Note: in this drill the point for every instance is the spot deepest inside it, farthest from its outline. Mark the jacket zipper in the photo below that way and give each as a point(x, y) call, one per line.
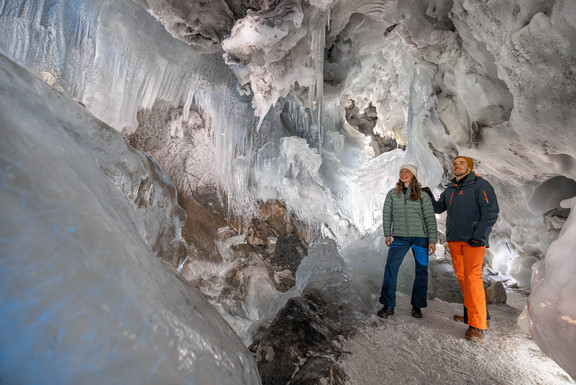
point(406, 215)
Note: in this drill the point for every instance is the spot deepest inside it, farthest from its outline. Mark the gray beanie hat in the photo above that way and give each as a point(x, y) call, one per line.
point(413, 169)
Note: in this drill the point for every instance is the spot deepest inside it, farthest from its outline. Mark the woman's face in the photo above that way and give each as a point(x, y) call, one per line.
point(406, 175)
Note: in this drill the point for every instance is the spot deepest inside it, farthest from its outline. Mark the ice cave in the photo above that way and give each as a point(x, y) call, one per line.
point(191, 191)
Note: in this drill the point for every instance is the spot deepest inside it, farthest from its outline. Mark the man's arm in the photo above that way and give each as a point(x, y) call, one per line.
point(489, 209)
point(439, 205)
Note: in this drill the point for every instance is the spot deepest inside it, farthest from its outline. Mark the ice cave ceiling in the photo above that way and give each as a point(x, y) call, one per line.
point(301, 111)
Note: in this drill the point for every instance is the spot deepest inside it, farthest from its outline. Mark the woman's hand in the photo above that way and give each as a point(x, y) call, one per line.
point(431, 248)
point(388, 241)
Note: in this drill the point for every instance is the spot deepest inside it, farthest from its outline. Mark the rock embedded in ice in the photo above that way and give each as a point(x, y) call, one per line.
point(301, 341)
point(495, 293)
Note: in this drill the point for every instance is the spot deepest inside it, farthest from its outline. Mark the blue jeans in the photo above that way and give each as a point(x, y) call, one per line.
point(396, 254)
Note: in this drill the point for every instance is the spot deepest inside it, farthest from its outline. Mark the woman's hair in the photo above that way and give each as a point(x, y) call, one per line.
point(415, 189)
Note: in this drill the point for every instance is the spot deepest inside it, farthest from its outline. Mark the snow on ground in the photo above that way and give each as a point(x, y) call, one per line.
point(432, 350)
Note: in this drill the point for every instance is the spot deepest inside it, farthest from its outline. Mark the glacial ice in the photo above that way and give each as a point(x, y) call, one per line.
point(550, 316)
point(86, 221)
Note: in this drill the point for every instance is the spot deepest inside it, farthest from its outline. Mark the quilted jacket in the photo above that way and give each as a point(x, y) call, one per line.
point(405, 218)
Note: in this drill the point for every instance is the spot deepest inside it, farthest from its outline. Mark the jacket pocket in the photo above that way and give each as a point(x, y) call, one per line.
point(474, 226)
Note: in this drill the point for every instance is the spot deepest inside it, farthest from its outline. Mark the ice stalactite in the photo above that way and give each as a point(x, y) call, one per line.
point(421, 114)
point(319, 21)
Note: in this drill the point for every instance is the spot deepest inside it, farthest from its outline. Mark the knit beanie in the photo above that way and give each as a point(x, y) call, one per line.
point(413, 169)
point(468, 160)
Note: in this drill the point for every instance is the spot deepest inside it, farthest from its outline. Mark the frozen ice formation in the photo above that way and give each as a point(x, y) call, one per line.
point(550, 315)
point(85, 298)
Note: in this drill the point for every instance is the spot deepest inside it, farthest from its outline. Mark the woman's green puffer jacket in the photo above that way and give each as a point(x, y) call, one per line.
point(405, 218)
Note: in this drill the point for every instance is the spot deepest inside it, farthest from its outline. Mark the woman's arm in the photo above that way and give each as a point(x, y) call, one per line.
point(387, 216)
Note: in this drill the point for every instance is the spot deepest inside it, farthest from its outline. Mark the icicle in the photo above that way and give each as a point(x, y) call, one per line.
point(420, 107)
point(319, 17)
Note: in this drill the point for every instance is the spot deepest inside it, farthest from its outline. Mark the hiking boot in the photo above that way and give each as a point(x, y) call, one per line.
point(416, 312)
point(385, 312)
point(460, 318)
point(474, 334)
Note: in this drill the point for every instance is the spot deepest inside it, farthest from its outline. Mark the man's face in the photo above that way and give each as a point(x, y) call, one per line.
point(460, 167)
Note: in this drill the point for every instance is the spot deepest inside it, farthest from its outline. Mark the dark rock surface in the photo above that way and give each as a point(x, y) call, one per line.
point(301, 345)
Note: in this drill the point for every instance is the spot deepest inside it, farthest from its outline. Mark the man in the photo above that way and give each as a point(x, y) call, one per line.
point(472, 210)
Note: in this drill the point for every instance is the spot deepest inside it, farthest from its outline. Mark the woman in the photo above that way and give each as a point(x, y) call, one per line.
point(408, 216)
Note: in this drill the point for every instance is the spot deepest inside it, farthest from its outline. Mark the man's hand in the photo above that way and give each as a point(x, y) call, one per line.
point(476, 242)
point(428, 191)
point(431, 248)
point(388, 241)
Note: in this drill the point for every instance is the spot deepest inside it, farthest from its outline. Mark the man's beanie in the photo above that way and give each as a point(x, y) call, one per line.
point(413, 169)
point(468, 160)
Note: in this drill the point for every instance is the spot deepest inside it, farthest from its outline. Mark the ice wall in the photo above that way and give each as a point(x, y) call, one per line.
point(273, 54)
point(550, 316)
point(84, 298)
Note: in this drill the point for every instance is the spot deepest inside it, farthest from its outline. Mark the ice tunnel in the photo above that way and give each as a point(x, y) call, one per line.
point(177, 173)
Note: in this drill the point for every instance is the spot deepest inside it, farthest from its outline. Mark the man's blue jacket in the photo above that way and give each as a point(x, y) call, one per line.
point(472, 209)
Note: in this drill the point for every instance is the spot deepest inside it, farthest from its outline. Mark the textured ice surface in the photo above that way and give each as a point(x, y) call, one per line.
point(322, 258)
point(84, 298)
point(550, 315)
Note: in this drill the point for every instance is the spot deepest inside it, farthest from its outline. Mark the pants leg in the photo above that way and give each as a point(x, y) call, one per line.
point(420, 286)
point(396, 253)
point(467, 262)
point(466, 314)
point(476, 308)
point(457, 261)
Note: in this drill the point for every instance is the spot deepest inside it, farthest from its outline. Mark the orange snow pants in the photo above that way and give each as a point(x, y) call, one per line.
point(467, 262)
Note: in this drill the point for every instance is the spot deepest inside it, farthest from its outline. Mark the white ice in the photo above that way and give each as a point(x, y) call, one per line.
point(552, 299)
